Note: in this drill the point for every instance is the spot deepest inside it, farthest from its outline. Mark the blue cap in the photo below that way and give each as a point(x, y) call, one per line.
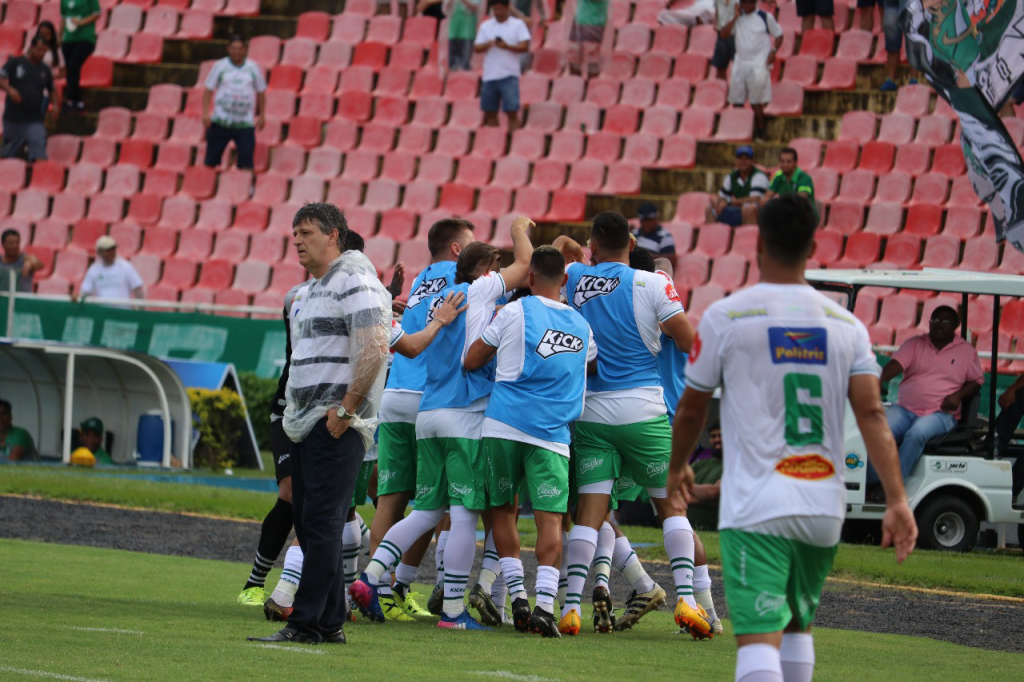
point(647, 211)
point(745, 149)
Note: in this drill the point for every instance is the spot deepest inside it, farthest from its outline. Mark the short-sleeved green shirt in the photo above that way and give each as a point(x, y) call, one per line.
point(800, 182)
point(79, 9)
point(592, 12)
point(462, 22)
point(102, 456)
point(705, 516)
point(15, 437)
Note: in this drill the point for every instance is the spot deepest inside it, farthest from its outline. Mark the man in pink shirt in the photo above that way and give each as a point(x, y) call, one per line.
point(940, 370)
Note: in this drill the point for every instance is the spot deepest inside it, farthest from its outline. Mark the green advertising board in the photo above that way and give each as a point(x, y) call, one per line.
point(256, 346)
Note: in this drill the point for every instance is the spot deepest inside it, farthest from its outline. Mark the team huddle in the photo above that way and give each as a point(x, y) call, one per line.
point(557, 378)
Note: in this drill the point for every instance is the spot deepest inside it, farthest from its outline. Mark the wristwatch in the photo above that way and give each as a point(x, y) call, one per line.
point(345, 414)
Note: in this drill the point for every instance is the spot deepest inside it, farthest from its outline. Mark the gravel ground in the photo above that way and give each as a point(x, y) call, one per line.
point(994, 625)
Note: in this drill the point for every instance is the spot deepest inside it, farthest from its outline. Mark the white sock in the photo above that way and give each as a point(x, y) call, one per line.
point(582, 545)
point(399, 539)
point(679, 546)
point(499, 592)
point(442, 541)
point(797, 654)
point(625, 560)
point(284, 593)
point(405, 576)
point(364, 537)
point(546, 587)
point(758, 663)
point(702, 591)
point(384, 586)
point(350, 548)
point(490, 568)
point(460, 552)
point(603, 555)
point(563, 570)
point(515, 577)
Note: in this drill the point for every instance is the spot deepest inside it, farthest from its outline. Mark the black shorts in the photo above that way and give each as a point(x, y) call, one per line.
point(725, 50)
point(281, 449)
point(814, 8)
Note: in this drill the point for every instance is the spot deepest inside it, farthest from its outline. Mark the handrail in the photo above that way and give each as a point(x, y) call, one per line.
point(136, 303)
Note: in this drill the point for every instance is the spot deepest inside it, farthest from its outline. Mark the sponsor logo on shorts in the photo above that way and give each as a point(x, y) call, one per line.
point(427, 287)
point(384, 476)
point(806, 467)
point(807, 346)
point(504, 484)
point(767, 602)
point(424, 490)
point(460, 490)
point(553, 342)
point(655, 468)
point(624, 484)
point(592, 286)
point(546, 490)
point(282, 458)
point(590, 463)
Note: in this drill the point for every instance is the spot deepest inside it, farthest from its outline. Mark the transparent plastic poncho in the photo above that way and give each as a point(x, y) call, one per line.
point(339, 346)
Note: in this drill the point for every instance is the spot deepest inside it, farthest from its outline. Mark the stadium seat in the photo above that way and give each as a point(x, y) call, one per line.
point(802, 69)
point(251, 277)
point(319, 78)
point(669, 39)
point(63, 149)
point(640, 92)
point(962, 222)
point(962, 193)
point(620, 66)
point(903, 251)
point(137, 153)
point(858, 126)
point(453, 141)
point(583, 116)
point(543, 116)
point(586, 175)
point(377, 138)
point(84, 179)
point(252, 217)
point(98, 151)
point(698, 122)
point(913, 158)
point(949, 160)
point(215, 275)
point(897, 128)
point(114, 123)
point(47, 176)
point(808, 151)
point(12, 174)
point(641, 149)
point(531, 201)
point(188, 130)
point(112, 45)
point(941, 251)
point(381, 195)
point(884, 218)
point(196, 244)
point(934, 130)
point(436, 168)
point(709, 94)
point(787, 100)
point(622, 119)
point(829, 246)
point(33, 205)
point(654, 67)
point(456, 198)
point(178, 213)
point(931, 189)
point(160, 241)
point(841, 155)
point(693, 269)
point(826, 183)
point(729, 271)
point(857, 186)
point(549, 173)
point(526, 144)
point(340, 135)
point(314, 25)
point(354, 105)
point(398, 166)
point(566, 206)
point(144, 209)
point(568, 89)
point(286, 77)
point(397, 224)
point(605, 147)
point(97, 72)
point(511, 172)
point(602, 91)
point(467, 115)
point(122, 180)
point(495, 200)
point(703, 297)
point(307, 189)
point(863, 248)
point(214, 214)
point(838, 74)
point(877, 157)
point(674, 93)
point(196, 24)
point(714, 239)
point(150, 127)
point(702, 41)
point(566, 146)
point(547, 61)
point(735, 125)
point(489, 143)
point(895, 188)
point(105, 208)
point(266, 247)
point(147, 48)
point(305, 131)
point(855, 44)
point(914, 100)
point(899, 311)
point(845, 217)
point(659, 121)
point(420, 196)
point(980, 254)
point(473, 171)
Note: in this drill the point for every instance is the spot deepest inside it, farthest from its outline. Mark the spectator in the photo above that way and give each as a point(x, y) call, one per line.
point(714, 443)
point(109, 276)
point(725, 45)
point(79, 40)
point(24, 265)
point(15, 442)
point(893, 42)
point(1011, 403)
point(503, 38)
point(461, 33)
point(753, 31)
point(432, 8)
point(90, 434)
point(236, 86)
point(707, 478)
point(808, 9)
point(652, 235)
point(739, 199)
point(940, 370)
point(523, 9)
point(789, 179)
point(587, 34)
point(25, 79)
point(692, 14)
point(52, 58)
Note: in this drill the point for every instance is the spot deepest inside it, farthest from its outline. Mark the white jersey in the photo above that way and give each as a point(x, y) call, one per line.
point(784, 355)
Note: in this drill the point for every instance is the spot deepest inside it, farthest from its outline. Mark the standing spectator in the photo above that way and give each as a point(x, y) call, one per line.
point(586, 34)
point(110, 276)
point(808, 9)
point(27, 82)
point(523, 9)
point(725, 45)
point(790, 179)
point(461, 33)
point(13, 259)
point(893, 42)
point(52, 57)
point(739, 199)
point(503, 38)
point(236, 86)
point(758, 37)
point(15, 442)
point(652, 235)
point(80, 17)
point(1011, 403)
point(707, 479)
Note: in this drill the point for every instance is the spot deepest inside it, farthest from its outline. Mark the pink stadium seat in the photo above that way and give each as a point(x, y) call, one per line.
point(415, 139)
point(33, 205)
point(489, 143)
point(462, 85)
point(934, 130)
point(48, 232)
point(105, 208)
point(214, 214)
point(420, 196)
point(735, 125)
point(674, 93)
point(320, 78)
point(196, 24)
point(583, 116)
point(147, 48)
point(431, 112)
point(151, 127)
point(98, 151)
point(941, 251)
point(252, 217)
point(198, 182)
point(242, 8)
point(567, 89)
point(381, 195)
point(808, 151)
point(949, 160)
point(161, 182)
point(669, 39)
point(693, 270)
point(729, 271)
point(885, 218)
point(858, 126)
point(962, 193)
point(567, 146)
point(265, 50)
point(543, 116)
point(380, 251)
point(420, 30)
point(12, 174)
point(307, 189)
point(144, 209)
point(930, 188)
point(787, 100)
point(114, 123)
point(112, 45)
point(550, 173)
point(654, 67)
point(846, 217)
point(266, 247)
point(703, 297)
point(467, 115)
point(914, 100)
point(702, 41)
point(533, 87)
point(877, 157)
point(855, 44)
point(348, 28)
point(660, 121)
point(641, 149)
point(897, 128)
point(251, 277)
point(714, 239)
point(621, 66)
point(980, 254)
point(496, 199)
point(698, 122)
point(399, 166)
point(393, 81)
point(913, 158)
point(826, 183)
point(160, 241)
point(341, 135)
point(838, 74)
point(188, 130)
point(164, 99)
point(604, 147)
point(63, 149)
point(547, 61)
point(324, 162)
point(84, 179)
point(526, 144)
point(621, 119)
point(474, 171)
point(397, 224)
point(894, 188)
point(453, 141)
point(385, 29)
point(314, 25)
point(802, 69)
point(710, 94)
point(196, 245)
point(531, 201)
point(899, 311)
point(692, 208)
point(436, 167)
point(640, 92)
point(962, 222)
point(47, 176)
point(586, 176)
point(122, 181)
point(829, 246)
point(903, 251)
point(841, 155)
point(178, 213)
point(234, 186)
point(857, 186)
point(378, 138)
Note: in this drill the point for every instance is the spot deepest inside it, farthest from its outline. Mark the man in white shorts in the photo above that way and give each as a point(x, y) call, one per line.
point(758, 37)
point(787, 358)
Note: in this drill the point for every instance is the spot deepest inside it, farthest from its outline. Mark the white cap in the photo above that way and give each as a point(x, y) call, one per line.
point(105, 242)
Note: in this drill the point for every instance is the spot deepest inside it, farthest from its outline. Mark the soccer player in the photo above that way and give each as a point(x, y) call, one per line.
point(624, 423)
point(787, 358)
point(543, 348)
point(449, 467)
point(396, 464)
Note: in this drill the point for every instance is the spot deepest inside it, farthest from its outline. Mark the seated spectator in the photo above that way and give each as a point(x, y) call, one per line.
point(707, 477)
point(940, 370)
point(725, 45)
point(688, 13)
point(90, 433)
point(15, 442)
point(502, 38)
point(790, 179)
point(237, 89)
point(13, 259)
point(28, 84)
point(461, 33)
point(1011, 403)
point(110, 276)
point(652, 235)
point(758, 37)
point(739, 199)
point(587, 34)
point(808, 9)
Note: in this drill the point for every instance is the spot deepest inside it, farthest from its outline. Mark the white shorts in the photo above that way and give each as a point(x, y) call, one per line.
point(399, 406)
point(449, 424)
point(750, 83)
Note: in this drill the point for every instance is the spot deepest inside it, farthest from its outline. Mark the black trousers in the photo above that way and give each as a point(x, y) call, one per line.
point(217, 138)
point(1006, 424)
point(75, 54)
point(324, 471)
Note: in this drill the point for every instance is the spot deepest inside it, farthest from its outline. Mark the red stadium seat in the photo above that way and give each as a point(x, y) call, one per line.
point(655, 67)
point(458, 199)
point(160, 241)
point(703, 297)
point(216, 275)
point(341, 135)
point(47, 176)
point(550, 174)
point(863, 248)
point(846, 217)
point(567, 146)
point(621, 119)
point(980, 254)
point(714, 239)
point(397, 224)
point(144, 209)
point(857, 186)
point(252, 217)
point(841, 155)
point(903, 250)
point(914, 100)
point(547, 61)
point(949, 160)
point(286, 77)
point(489, 143)
point(198, 182)
point(462, 85)
point(567, 205)
point(586, 175)
point(605, 147)
point(897, 128)
point(924, 220)
point(877, 157)
point(305, 132)
point(895, 188)
point(817, 42)
point(694, 269)
point(147, 48)
point(829, 246)
point(913, 158)
point(266, 247)
point(137, 152)
point(314, 25)
point(265, 50)
point(97, 72)
point(858, 126)
point(962, 193)
point(474, 171)
point(178, 213)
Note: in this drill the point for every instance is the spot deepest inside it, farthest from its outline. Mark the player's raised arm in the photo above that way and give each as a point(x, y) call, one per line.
point(569, 248)
point(411, 345)
point(522, 250)
point(898, 526)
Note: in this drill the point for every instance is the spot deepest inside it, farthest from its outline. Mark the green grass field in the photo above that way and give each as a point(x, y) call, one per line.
point(95, 614)
point(989, 572)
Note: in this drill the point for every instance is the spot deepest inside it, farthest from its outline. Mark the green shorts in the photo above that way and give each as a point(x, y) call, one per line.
point(603, 449)
point(450, 471)
point(546, 474)
point(362, 483)
point(771, 581)
point(626, 490)
point(396, 458)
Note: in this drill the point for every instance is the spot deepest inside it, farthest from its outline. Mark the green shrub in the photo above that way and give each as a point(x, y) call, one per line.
point(219, 417)
point(259, 394)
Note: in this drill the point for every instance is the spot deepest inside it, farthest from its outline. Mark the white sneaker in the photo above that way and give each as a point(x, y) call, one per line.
point(506, 617)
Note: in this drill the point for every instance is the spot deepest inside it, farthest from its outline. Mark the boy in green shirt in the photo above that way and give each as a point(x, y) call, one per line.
point(15, 442)
point(789, 179)
point(78, 42)
point(587, 33)
point(91, 435)
point(461, 33)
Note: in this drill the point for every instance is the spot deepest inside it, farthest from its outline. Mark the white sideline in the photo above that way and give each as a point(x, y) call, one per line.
point(114, 630)
point(508, 675)
point(43, 673)
point(290, 648)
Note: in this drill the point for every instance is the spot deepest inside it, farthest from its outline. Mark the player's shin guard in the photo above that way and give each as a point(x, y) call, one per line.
point(284, 593)
point(274, 533)
point(758, 663)
point(546, 587)
point(582, 546)
point(679, 546)
point(515, 577)
point(797, 654)
point(489, 569)
point(459, 554)
point(399, 539)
